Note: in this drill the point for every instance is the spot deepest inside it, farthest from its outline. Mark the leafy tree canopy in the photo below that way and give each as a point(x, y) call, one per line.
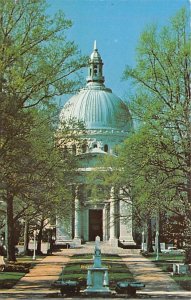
point(37, 63)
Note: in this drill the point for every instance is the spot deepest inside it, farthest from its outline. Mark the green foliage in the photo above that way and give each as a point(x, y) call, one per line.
point(155, 160)
point(157, 157)
point(36, 58)
point(37, 64)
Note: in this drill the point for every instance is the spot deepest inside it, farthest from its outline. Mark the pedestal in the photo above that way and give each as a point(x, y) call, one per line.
point(77, 242)
point(113, 242)
point(180, 268)
point(97, 282)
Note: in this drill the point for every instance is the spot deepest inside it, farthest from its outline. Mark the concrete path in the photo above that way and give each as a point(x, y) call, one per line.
point(36, 284)
point(39, 279)
point(157, 283)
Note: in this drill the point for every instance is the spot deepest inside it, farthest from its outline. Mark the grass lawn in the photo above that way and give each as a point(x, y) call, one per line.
point(14, 271)
point(166, 261)
point(166, 257)
point(184, 281)
point(76, 269)
point(8, 279)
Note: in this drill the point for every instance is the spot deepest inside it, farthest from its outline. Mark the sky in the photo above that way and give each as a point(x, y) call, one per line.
point(116, 26)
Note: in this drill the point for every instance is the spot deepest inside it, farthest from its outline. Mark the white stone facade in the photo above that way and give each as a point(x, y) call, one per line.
point(108, 123)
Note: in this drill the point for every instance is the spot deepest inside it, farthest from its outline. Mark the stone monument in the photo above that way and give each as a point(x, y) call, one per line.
point(97, 276)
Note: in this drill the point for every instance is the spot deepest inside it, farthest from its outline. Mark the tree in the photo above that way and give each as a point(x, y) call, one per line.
point(162, 104)
point(36, 173)
point(152, 190)
point(37, 63)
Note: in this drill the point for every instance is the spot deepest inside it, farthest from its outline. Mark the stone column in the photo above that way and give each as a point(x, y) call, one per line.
point(126, 234)
point(77, 219)
point(112, 223)
point(105, 222)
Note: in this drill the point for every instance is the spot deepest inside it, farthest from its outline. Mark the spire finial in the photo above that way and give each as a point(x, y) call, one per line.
point(95, 67)
point(95, 47)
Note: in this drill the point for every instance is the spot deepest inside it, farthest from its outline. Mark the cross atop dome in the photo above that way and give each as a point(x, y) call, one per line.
point(95, 73)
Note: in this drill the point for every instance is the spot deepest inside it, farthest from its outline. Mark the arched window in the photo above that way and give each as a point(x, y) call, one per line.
point(74, 149)
point(84, 148)
point(105, 148)
point(95, 145)
point(95, 70)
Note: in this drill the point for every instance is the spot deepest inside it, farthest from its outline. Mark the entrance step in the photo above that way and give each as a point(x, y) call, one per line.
point(106, 248)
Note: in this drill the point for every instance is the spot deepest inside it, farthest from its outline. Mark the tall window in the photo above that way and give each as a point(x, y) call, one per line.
point(95, 70)
point(106, 148)
point(84, 147)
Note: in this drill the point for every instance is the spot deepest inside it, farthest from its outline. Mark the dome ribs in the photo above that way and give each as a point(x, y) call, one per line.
point(98, 109)
point(96, 105)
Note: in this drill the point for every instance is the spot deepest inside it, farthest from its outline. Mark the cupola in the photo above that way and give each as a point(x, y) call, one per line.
point(95, 73)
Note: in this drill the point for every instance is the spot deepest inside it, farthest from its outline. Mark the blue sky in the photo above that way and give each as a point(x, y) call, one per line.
point(116, 26)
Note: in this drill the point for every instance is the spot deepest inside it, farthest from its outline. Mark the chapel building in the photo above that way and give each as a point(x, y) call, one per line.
point(108, 123)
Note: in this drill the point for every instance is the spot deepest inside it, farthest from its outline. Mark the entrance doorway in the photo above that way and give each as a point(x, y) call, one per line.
point(95, 224)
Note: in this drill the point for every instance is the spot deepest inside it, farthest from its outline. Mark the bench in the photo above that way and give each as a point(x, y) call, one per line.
point(2, 263)
point(129, 288)
point(67, 287)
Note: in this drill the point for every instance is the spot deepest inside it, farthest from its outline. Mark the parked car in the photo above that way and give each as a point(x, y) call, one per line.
point(173, 250)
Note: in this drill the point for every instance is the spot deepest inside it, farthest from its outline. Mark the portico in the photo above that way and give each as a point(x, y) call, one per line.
point(111, 220)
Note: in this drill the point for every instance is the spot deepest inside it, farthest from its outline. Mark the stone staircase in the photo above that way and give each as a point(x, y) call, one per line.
point(106, 248)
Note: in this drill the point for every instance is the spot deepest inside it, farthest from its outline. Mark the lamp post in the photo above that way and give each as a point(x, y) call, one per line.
point(157, 245)
point(34, 250)
point(143, 240)
point(4, 211)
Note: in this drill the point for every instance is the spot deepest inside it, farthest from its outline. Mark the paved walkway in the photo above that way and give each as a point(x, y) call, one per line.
point(157, 282)
point(36, 284)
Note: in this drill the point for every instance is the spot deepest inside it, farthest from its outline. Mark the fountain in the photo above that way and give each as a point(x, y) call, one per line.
point(97, 276)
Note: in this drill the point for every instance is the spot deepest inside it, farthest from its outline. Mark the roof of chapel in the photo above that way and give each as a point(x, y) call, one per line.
point(95, 105)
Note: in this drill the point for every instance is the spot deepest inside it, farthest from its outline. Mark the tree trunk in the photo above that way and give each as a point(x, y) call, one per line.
point(149, 236)
point(188, 211)
point(188, 240)
point(26, 237)
point(188, 251)
point(39, 239)
point(10, 228)
point(158, 227)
